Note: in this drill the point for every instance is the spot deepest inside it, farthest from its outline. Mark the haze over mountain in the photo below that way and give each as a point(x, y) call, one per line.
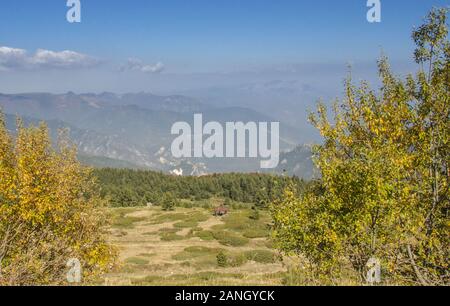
point(133, 130)
point(286, 100)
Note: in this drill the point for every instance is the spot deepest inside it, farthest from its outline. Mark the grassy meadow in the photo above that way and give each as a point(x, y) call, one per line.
point(190, 246)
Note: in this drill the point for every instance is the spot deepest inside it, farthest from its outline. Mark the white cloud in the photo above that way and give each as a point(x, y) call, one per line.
point(19, 59)
point(11, 57)
point(63, 59)
point(134, 64)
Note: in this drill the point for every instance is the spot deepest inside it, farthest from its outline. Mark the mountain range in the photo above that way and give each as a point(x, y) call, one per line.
point(133, 130)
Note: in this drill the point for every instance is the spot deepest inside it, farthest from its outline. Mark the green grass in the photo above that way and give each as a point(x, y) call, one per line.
point(186, 224)
point(204, 235)
point(244, 241)
point(236, 259)
point(200, 250)
point(256, 232)
point(187, 279)
point(218, 227)
point(194, 216)
point(198, 217)
point(137, 261)
point(229, 238)
point(170, 217)
point(123, 221)
point(240, 222)
point(261, 256)
point(190, 253)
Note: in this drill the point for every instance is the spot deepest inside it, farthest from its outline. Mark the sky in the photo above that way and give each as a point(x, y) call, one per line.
point(175, 45)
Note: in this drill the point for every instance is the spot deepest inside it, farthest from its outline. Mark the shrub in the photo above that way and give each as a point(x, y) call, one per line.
point(236, 260)
point(222, 260)
point(261, 256)
point(168, 202)
point(384, 168)
point(186, 204)
point(254, 215)
point(49, 210)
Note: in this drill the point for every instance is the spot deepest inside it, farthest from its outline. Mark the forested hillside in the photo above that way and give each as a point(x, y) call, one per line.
point(126, 187)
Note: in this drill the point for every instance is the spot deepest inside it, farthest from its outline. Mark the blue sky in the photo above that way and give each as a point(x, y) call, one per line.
point(198, 37)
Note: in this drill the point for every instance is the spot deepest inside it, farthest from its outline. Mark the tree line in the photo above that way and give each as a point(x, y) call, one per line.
point(127, 187)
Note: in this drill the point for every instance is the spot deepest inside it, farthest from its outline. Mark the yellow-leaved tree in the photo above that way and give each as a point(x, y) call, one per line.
point(50, 211)
point(384, 187)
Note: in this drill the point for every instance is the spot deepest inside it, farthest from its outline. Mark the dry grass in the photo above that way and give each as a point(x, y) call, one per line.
point(180, 248)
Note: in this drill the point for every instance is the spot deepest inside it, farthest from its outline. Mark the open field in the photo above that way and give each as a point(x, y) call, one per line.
point(181, 247)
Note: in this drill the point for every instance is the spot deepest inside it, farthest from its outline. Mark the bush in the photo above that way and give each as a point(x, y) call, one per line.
point(49, 210)
point(222, 260)
point(261, 256)
point(186, 204)
point(236, 260)
point(384, 169)
point(168, 202)
point(254, 215)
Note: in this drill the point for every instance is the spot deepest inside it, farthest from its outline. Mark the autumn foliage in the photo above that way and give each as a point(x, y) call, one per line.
point(49, 210)
point(384, 188)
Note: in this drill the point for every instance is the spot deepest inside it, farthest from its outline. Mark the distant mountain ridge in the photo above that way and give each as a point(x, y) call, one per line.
point(133, 129)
